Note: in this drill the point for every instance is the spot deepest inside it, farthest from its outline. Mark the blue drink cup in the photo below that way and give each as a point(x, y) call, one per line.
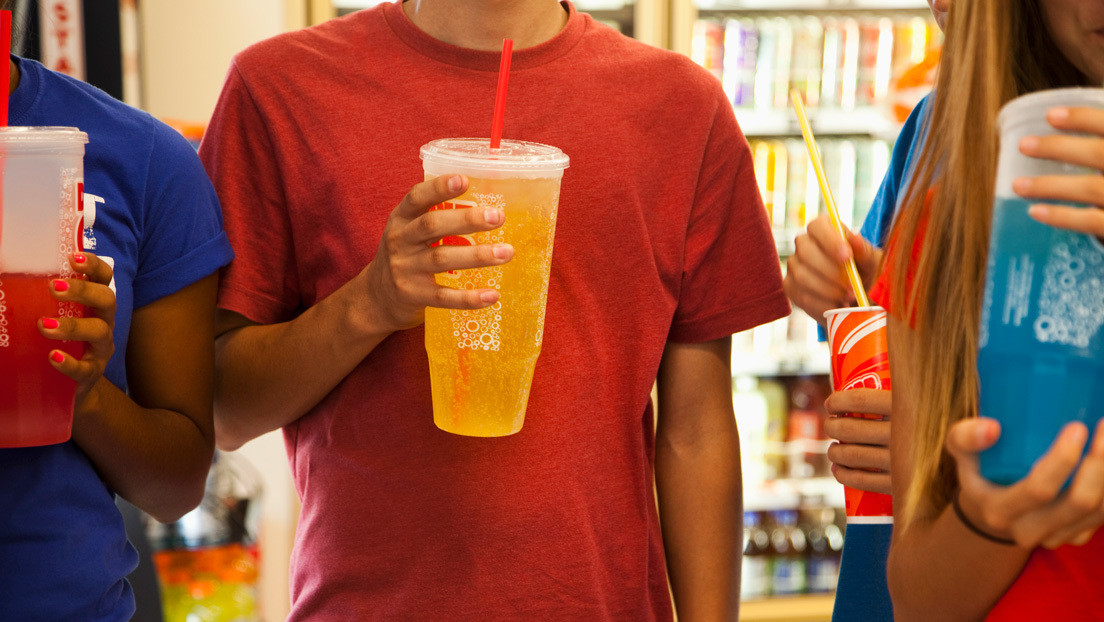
point(1041, 351)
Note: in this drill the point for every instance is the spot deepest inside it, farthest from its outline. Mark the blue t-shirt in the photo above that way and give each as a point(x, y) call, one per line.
point(150, 209)
point(862, 594)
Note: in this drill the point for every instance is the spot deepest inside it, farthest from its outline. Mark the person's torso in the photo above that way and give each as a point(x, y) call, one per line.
point(561, 515)
point(64, 553)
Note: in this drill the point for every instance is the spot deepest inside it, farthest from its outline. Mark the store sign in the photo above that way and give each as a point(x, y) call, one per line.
point(62, 30)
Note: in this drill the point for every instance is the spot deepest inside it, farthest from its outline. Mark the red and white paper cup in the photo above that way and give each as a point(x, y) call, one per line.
point(860, 360)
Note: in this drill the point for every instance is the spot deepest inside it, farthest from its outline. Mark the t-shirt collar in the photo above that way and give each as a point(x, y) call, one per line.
point(480, 60)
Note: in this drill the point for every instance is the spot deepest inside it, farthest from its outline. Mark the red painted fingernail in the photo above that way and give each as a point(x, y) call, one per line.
point(57, 357)
point(49, 323)
point(60, 285)
point(79, 258)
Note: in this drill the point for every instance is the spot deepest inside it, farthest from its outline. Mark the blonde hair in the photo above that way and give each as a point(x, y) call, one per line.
point(993, 51)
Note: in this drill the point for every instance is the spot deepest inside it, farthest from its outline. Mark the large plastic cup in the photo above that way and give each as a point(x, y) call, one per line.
point(860, 360)
point(1041, 351)
point(481, 362)
point(42, 174)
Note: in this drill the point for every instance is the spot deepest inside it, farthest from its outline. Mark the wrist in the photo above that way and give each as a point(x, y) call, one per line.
point(973, 527)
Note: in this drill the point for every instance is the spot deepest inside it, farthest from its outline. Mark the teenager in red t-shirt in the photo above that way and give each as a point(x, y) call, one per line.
point(964, 548)
point(662, 251)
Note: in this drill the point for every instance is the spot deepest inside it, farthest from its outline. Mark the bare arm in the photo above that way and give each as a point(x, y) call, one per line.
point(938, 569)
point(698, 480)
point(270, 375)
point(153, 446)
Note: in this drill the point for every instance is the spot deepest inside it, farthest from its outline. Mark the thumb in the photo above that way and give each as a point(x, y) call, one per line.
point(969, 437)
point(868, 258)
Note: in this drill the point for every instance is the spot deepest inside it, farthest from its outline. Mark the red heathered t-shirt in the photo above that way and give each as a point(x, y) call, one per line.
point(1061, 584)
point(661, 236)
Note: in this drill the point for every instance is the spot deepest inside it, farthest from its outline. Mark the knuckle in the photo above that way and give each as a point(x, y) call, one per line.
point(438, 258)
point(1038, 491)
point(1082, 501)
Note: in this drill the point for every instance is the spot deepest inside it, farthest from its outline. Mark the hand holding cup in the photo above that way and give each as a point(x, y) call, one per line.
point(400, 279)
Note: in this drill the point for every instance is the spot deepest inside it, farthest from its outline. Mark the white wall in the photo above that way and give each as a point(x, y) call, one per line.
point(187, 46)
point(186, 49)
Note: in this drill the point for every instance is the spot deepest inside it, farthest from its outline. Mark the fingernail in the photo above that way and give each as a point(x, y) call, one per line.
point(502, 251)
point(60, 285)
point(49, 323)
point(1039, 212)
point(489, 297)
point(1029, 143)
point(455, 183)
point(1058, 114)
point(79, 258)
point(493, 216)
point(1022, 184)
point(57, 357)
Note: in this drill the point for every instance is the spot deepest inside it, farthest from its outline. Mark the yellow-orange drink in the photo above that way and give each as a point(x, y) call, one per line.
point(481, 362)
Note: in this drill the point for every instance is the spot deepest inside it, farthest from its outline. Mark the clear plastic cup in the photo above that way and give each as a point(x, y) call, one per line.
point(40, 226)
point(481, 361)
point(1041, 351)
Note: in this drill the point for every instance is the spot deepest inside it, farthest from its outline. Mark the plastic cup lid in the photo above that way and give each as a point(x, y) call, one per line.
point(476, 153)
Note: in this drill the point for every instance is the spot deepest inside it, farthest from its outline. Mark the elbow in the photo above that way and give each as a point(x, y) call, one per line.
point(228, 435)
point(173, 510)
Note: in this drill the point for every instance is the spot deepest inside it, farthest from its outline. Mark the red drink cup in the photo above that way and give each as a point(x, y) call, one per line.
point(41, 175)
point(860, 360)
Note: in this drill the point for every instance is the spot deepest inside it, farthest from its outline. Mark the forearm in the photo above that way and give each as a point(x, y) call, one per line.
point(157, 459)
point(700, 504)
point(939, 570)
point(270, 375)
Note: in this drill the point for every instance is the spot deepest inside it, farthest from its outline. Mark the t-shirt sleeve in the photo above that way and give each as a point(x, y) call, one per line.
point(183, 240)
point(878, 220)
point(261, 283)
point(731, 279)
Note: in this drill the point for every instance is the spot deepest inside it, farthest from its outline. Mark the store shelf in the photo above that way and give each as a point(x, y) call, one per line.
point(867, 121)
point(803, 360)
point(788, 494)
point(812, 608)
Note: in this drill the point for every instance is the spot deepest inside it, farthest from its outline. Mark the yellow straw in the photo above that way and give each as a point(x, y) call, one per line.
point(829, 200)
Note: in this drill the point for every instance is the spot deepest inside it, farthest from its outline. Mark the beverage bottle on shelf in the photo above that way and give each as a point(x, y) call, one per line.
point(806, 427)
point(755, 571)
point(788, 546)
point(774, 394)
point(825, 546)
point(750, 407)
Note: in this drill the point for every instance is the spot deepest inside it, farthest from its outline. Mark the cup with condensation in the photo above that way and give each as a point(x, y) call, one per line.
point(481, 361)
point(1040, 356)
point(42, 177)
point(860, 360)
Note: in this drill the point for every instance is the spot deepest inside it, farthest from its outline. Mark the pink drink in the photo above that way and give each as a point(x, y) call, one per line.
point(36, 400)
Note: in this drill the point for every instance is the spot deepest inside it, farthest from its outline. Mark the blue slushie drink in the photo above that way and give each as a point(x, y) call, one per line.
point(1041, 350)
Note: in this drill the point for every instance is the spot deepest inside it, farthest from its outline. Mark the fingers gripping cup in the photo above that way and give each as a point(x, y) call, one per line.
point(860, 360)
point(40, 226)
point(481, 361)
point(1040, 350)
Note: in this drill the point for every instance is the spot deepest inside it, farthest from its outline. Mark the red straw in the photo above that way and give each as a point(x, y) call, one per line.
point(500, 94)
point(5, 45)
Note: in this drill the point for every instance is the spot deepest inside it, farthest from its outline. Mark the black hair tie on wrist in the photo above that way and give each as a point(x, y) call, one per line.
point(974, 528)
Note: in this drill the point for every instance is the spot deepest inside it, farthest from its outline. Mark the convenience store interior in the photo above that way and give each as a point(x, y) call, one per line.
point(861, 66)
